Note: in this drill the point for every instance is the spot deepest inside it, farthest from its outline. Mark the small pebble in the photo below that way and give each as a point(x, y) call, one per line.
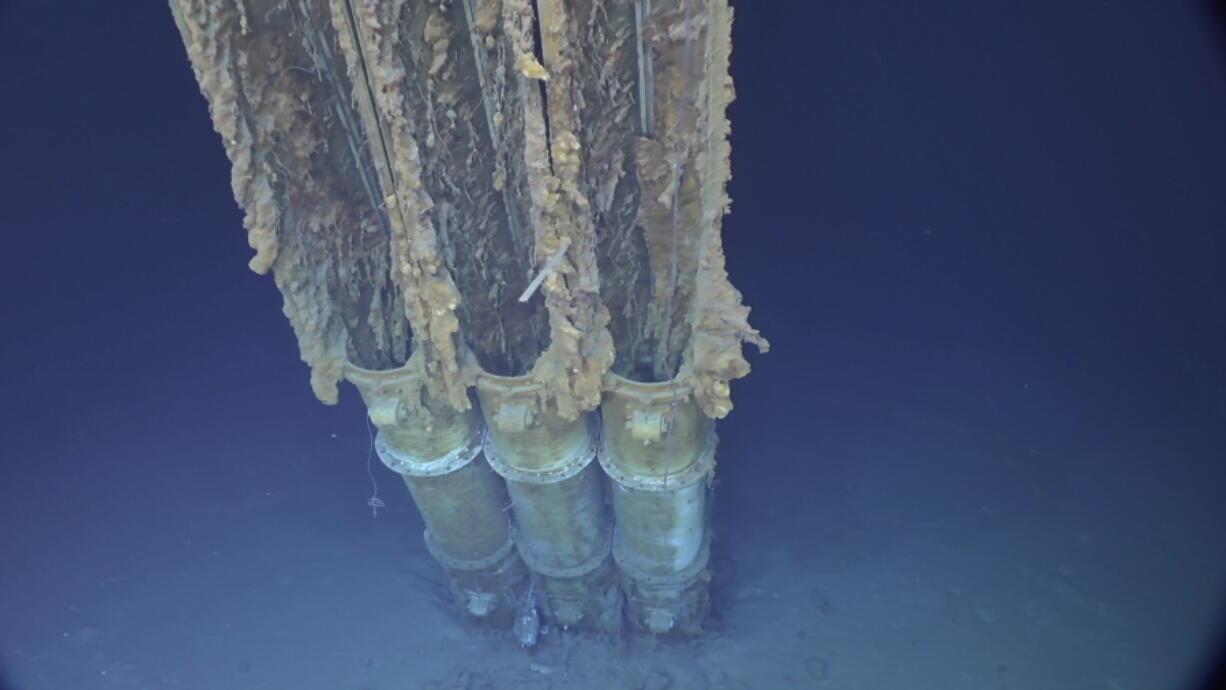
point(816, 667)
point(658, 680)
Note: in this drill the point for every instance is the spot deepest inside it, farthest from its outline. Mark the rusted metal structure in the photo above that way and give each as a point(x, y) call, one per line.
point(500, 220)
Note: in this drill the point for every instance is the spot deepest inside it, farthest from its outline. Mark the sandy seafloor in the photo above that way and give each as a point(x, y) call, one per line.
point(928, 535)
point(985, 453)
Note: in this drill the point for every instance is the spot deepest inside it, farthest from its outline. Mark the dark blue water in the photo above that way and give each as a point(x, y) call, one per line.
point(986, 451)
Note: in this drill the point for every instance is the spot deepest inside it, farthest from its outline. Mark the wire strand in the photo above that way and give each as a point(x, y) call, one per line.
point(374, 501)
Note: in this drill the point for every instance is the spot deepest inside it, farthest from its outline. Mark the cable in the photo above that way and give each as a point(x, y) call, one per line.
point(374, 501)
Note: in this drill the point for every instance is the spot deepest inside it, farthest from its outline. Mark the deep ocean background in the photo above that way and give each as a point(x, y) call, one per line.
point(986, 241)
